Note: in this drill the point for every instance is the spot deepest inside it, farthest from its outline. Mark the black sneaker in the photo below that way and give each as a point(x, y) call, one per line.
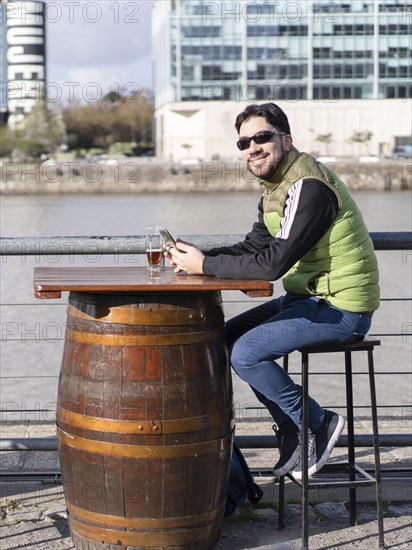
point(325, 438)
point(289, 447)
point(297, 470)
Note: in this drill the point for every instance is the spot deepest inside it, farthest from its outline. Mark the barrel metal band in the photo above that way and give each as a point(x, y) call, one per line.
point(142, 427)
point(139, 539)
point(137, 316)
point(151, 523)
point(143, 451)
point(182, 338)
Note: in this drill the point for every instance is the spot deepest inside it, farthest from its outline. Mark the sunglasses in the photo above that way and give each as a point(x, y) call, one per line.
point(259, 139)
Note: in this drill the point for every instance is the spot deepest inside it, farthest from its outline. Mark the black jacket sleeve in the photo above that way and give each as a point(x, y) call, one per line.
point(310, 208)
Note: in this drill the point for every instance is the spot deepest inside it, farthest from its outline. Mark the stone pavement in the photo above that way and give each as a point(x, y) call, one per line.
point(37, 520)
point(33, 514)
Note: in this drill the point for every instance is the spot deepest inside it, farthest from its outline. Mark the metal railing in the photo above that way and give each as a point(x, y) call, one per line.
point(44, 247)
point(135, 244)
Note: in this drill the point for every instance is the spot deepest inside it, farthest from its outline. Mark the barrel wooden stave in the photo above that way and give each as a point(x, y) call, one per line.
point(170, 397)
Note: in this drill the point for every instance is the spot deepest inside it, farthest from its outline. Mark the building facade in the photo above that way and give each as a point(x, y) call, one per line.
point(23, 51)
point(311, 52)
point(3, 65)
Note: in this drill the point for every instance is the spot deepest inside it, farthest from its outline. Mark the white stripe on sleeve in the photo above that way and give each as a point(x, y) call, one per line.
point(292, 202)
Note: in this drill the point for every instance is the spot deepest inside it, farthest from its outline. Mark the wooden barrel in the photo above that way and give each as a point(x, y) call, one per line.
point(145, 420)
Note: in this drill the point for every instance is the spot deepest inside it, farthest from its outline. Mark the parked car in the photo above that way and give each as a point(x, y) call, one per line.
point(190, 161)
point(402, 152)
point(106, 160)
point(368, 158)
point(326, 160)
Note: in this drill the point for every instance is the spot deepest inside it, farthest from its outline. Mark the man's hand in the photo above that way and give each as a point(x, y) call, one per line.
point(189, 260)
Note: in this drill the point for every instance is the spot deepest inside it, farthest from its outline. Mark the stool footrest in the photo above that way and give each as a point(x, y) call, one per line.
point(332, 474)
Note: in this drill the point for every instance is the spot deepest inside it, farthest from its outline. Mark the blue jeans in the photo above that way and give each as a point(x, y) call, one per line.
point(267, 332)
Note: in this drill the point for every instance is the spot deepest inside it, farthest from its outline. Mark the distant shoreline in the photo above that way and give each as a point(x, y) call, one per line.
point(217, 176)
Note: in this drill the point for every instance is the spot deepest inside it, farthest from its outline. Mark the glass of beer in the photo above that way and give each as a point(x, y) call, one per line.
point(154, 249)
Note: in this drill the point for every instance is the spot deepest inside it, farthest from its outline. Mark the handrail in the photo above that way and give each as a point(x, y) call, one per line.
point(244, 441)
point(135, 244)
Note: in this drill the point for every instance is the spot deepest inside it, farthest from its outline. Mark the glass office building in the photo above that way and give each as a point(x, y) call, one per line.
point(244, 50)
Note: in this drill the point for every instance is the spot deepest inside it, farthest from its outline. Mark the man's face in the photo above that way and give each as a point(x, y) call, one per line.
point(262, 160)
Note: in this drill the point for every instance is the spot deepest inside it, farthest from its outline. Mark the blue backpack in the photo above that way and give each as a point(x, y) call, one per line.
point(241, 484)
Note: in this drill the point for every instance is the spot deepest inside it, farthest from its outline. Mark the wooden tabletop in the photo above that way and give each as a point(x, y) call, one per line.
point(50, 282)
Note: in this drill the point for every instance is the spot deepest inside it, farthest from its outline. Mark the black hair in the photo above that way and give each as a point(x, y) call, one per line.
point(271, 112)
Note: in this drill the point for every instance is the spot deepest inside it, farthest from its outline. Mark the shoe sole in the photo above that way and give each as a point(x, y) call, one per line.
point(324, 458)
point(288, 467)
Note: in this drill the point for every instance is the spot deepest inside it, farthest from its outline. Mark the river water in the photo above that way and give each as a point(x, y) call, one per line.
point(33, 330)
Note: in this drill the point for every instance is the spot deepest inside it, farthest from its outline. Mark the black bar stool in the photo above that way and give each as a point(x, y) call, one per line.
point(354, 475)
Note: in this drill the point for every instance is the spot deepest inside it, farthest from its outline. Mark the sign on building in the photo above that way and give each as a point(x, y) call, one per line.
point(26, 57)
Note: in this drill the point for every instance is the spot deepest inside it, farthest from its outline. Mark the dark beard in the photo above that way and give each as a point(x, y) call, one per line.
point(264, 175)
point(271, 169)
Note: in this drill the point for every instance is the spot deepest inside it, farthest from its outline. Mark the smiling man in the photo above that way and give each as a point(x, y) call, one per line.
point(310, 233)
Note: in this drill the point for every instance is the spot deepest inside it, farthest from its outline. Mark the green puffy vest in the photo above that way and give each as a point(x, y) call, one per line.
point(342, 266)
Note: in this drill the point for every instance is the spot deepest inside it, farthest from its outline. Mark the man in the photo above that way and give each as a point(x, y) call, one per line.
point(310, 232)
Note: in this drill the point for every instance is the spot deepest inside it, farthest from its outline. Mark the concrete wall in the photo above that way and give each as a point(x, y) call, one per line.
point(207, 176)
point(208, 127)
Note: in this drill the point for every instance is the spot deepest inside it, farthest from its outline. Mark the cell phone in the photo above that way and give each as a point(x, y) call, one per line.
point(167, 237)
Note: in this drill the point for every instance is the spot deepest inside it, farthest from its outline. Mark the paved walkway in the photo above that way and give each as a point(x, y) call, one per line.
point(37, 520)
point(33, 514)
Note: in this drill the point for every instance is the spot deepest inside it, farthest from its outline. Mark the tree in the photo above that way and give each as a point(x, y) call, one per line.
point(41, 133)
point(89, 125)
point(363, 137)
point(114, 119)
point(134, 118)
point(113, 97)
point(6, 141)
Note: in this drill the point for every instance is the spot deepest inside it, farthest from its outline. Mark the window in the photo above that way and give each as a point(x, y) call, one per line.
point(291, 93)
point(405, 71)
point(263, 30)
point(357, 92)
point(347, 92)
point(265, 53)
point(201, 31)
point(394, 91)
point(293, 30)
point(322, 70)
point(352, 30)
point(383, 6)
point(187, 72)
point(326, 91)
point(214, 72)
point(348, 71)
point(211, 72)
point(359, 71)
point(393, 29)
point(322, 53)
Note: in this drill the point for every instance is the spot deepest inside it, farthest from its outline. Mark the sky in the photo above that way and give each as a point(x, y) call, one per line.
point(97, 46)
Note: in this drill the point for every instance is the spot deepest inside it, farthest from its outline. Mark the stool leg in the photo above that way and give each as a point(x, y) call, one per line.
point(379, 503)
point(304, 451)
point(281, 517)
point(351, 436)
